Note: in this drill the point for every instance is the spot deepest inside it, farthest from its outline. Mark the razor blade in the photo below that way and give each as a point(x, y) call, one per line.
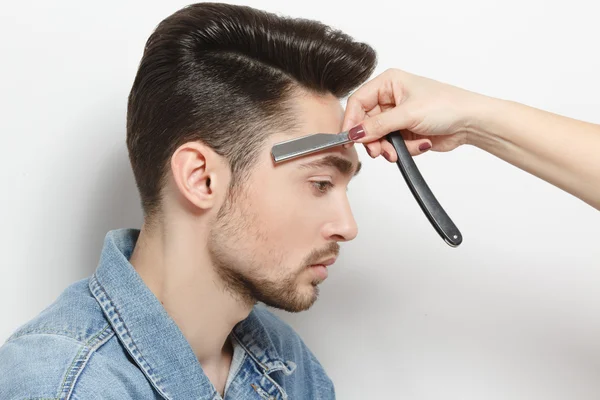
point(302, 146)
point(430, 206)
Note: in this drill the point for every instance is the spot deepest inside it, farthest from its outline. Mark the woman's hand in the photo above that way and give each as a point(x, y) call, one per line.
point(430, 114)
point(560, 150)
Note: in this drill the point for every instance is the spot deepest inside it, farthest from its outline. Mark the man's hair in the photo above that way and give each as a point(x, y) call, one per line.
point(223, 75)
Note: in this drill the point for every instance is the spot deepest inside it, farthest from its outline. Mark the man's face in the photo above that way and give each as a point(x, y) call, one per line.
point(271, 239)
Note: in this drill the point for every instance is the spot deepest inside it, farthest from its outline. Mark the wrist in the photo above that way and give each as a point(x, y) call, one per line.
point(482, 120)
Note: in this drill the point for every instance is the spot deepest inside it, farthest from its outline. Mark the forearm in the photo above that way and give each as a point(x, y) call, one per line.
point(560, 150)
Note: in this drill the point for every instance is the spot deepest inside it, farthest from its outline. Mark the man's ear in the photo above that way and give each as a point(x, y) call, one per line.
point(198, 173)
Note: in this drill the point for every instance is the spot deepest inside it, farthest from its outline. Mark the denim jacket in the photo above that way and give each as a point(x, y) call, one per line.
point(109, 337)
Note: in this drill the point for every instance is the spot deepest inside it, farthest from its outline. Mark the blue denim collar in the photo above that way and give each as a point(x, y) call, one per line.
point(152, 338)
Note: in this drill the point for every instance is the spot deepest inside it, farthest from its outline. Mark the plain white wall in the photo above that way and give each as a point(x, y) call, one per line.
point(514, 313)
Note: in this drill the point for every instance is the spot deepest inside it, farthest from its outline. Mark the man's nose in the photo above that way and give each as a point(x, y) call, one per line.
point(342, 226)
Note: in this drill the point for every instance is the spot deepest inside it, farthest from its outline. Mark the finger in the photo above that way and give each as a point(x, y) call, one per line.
point(379, 125)
point(416, 147)
point(374, 111)
point(388, 151)
point(382, 90)
point(373, 149)
point(378, 109)
point(352, 116)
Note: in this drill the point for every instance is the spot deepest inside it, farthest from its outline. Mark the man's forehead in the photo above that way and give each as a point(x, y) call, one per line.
point(318, 113)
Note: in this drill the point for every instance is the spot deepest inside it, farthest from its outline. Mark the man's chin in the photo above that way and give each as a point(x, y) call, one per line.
point(300, 301)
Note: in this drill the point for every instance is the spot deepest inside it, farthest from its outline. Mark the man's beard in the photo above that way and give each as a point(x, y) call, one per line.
point(243, 275)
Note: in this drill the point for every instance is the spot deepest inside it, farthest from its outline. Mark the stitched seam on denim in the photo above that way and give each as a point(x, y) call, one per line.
point(281, 391)
point(79, 364)
point(73, 363)
point(42, 398)
point(261, 392)
point(95, 343)
point(99, 288)
point(79, 342)
point(264, 367)
point(266, 371)
point(40, 330)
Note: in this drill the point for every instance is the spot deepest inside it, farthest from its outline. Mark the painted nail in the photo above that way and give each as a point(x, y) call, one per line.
point(357, 132)
point(424, 147)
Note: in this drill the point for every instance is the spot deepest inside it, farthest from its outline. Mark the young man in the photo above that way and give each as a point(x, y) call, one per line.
point(171, 310)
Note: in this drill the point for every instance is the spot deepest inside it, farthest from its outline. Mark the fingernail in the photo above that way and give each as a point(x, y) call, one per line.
point(424, 147)
point(386, 154)
point(357, 132)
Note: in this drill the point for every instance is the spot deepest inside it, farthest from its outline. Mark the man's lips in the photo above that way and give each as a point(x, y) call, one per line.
point(324, 263)
point(320, 269)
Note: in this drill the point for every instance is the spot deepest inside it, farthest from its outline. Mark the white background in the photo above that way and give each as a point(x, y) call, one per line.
point(514, 313)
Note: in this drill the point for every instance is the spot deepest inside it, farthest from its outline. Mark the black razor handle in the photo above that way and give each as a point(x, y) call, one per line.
point(429, 204)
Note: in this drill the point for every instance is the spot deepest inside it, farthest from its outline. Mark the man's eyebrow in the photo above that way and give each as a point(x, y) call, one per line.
point(345, 166)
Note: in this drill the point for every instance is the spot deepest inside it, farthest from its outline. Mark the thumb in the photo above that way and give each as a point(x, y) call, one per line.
point(377, 126)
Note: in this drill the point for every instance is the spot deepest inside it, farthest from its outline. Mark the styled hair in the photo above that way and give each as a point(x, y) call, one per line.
point(224, 74)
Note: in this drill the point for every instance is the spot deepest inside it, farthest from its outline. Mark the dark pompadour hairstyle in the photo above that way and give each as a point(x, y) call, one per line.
point(223, 74)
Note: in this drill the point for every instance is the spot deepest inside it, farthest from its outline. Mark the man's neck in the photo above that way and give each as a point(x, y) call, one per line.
point(178, 270)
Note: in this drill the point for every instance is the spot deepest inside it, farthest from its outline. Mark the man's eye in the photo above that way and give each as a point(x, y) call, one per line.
point(322, 186)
